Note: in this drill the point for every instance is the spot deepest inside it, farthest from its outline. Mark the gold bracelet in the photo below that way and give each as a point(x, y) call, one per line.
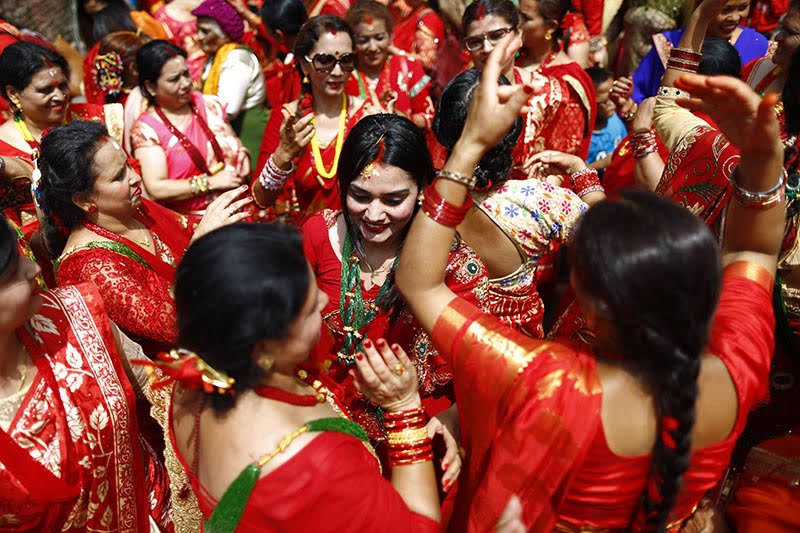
point(407, 436)
point(468, 182)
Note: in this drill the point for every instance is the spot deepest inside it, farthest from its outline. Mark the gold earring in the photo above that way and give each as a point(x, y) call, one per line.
point(15, 102)
point(265, 363)
point(548, 36)
point(305, 78)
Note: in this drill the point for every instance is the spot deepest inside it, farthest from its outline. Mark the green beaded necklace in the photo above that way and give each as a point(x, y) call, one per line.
point(354, 312)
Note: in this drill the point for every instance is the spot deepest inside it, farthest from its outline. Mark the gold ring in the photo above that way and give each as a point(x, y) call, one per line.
point(398, 369)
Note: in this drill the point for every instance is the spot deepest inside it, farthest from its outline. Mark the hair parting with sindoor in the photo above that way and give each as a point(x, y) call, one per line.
point(390, 140)
point(653, 270)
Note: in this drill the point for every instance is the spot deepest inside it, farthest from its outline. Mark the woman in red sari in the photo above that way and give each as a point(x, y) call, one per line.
point(282, 21)
point(572, 100)
point(515, 221)
point(34, 81)
point(302, 143)
point(70, 451)
point(633, 438)
point(420, 35)
point(387, 77)
point(317, 471)
point(353, 253)
point(99, 229)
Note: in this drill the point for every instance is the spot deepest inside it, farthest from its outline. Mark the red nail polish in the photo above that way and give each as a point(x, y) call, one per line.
point(380, 342)
point(444, 466)
point(360, 356)
point(367, 343)
point(528, 89)
point(395, 347)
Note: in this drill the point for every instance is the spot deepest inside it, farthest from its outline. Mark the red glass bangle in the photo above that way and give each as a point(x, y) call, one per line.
point(415, 460)
point(686, 54)
point(408, 446)
point(398, 426)
point(441, 211)
point(684, 66)
point(643, 143)
point(421, 418)
point(399, 415)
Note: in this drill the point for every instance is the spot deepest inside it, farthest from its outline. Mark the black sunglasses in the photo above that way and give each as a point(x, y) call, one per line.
point(326, 62)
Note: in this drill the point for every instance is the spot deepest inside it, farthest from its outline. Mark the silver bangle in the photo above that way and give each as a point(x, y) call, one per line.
point(750, 196)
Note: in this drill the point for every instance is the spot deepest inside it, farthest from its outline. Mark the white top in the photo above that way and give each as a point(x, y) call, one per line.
point(241, 82)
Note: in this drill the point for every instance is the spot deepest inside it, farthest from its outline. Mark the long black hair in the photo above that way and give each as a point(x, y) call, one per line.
point(288, 16)
point(390, 140)
point(150, 60)
point(310, 33)
point(653, 271)
point(8, 244)
point(66, 163)
point(20, 61)
point(222, 321)
point(116, 16)
point(791, 96)
point(448, 123)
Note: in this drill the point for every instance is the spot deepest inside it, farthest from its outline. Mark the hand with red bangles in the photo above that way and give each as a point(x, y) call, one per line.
point(386, 376)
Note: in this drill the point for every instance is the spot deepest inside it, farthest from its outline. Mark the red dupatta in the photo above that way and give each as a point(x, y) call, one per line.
point(76, 422)
point(698, 172)
point(528, 411)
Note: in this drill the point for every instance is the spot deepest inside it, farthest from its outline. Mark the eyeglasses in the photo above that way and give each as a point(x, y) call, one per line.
point(476, 41)
point(326, 62)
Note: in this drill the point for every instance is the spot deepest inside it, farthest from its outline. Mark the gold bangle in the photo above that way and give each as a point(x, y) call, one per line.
point(407, 436)
point(467, 181)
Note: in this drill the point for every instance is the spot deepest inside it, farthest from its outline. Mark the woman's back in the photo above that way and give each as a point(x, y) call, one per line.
point(733, 377)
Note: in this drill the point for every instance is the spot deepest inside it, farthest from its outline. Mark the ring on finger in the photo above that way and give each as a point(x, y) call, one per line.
point(398, 369)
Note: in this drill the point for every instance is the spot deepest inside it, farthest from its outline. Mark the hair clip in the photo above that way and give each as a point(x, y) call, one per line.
point(369, 168)
point(187, 368)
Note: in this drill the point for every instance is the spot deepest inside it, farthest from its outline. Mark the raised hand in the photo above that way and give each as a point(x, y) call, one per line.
point(643, 119)
point(227, 208)
point(621, 91)
point(386, 376)
point(295, 134)
point(746, 120)
point(494, 108)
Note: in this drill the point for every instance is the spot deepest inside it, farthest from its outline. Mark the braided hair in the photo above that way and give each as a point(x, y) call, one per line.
point(653, 269)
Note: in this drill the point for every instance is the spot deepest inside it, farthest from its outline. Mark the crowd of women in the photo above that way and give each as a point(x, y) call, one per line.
point(318, 265)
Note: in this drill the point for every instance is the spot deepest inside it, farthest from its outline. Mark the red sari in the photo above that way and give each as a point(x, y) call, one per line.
point(306, 192)
point(135, 284)
point(72, 459)
point(466, 275)
point(698, 172)
point(406, 78)
point(560, 116)
point(421, 34)
point(530, 417)
point(332, 484)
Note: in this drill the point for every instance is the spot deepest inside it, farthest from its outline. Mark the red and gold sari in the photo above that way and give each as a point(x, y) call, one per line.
point(403, 76)
point(421, 34)
point(71, 458)
point(305, 192)
point(530, 417)
point(135, 283)
point(560, 116)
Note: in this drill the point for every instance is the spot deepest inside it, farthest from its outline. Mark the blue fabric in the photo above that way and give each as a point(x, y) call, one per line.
point(606, 140)
point(647, 78)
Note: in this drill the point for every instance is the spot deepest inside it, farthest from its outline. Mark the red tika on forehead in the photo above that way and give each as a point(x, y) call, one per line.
point(481, 11)
point(368, 19)
point(332, 30)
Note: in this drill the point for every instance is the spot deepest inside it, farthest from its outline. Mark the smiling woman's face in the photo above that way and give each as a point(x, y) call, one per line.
point(381, 203)
point(724, 24)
